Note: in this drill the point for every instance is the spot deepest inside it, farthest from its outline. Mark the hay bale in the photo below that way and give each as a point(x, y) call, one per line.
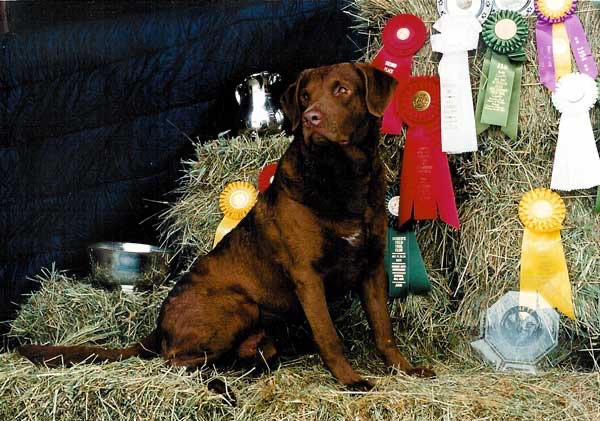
point(483, 258)
point(298, 387)
point(189, 225)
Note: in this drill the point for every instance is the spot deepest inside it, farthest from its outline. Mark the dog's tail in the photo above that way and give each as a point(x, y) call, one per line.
point(56, 356)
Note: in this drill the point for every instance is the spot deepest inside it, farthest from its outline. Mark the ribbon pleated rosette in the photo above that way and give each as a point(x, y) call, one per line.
point(523, 7)
point(458, 34)
point(403, 261)
point(576, 160)
point(479, 9)
point(426, 190)
point(558, 32)
point(504, 33)
point(543, 263)
point(402, 37)
point(236, 200)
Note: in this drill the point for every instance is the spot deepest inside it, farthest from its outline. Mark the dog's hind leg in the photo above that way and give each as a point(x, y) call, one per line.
point(203, 324)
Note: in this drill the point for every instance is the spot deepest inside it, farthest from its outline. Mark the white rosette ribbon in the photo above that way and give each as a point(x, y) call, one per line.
point(458, 34)
point(576, 161)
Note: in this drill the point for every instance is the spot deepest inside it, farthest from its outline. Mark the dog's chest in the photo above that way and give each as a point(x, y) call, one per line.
point(348, 257)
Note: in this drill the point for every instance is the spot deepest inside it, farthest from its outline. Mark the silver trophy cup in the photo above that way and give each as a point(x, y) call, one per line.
point(259, 113)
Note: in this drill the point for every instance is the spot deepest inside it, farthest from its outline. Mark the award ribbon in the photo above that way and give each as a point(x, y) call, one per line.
point(505, 34)
point(479, 9)
point(558, 31)
point(403, 261)
point(402, 37)
point(576, 160)
point(235, 202)
point(543, 264)
point(425, 186)
point(266, 176)
point(458, 34)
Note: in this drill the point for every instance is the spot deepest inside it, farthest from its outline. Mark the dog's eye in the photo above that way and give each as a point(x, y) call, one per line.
point(341, 90)
point(305, 96)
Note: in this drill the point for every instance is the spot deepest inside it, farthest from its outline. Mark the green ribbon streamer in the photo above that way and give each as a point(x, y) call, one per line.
point(498, 101)
point(403, 261)
point(404, 265)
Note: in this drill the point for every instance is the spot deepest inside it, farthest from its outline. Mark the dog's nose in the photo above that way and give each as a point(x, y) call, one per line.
point(313, 118)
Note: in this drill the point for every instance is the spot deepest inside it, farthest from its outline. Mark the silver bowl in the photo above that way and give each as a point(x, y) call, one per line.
point(129, 264)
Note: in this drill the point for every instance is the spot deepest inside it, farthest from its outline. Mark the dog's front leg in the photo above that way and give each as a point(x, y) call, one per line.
point(311, 293)
point(373, 296)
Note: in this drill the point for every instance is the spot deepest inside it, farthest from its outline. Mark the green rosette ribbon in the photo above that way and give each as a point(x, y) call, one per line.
point(505, 33)
point(403, 261)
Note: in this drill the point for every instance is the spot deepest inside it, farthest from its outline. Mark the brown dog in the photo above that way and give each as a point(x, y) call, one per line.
point(317, 232)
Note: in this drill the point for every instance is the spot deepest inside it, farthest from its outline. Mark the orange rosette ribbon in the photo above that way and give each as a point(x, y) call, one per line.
point(236, 200)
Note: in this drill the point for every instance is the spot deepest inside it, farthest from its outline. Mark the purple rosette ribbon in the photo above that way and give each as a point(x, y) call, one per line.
point(558, 33)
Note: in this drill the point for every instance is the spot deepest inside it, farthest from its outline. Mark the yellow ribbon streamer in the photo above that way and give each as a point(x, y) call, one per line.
point(235, 202)
point(561, 50)
point(543, 264)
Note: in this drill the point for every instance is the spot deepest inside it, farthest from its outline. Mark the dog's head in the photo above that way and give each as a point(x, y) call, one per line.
point(338, 103)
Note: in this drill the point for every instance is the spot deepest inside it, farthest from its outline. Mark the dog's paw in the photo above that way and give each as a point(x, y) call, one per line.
point(422, 372)
point(361, 385)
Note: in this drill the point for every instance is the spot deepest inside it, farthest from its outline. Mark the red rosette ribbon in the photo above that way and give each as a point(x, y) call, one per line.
point(265, 178)
point(402, 37)
point(425, 183)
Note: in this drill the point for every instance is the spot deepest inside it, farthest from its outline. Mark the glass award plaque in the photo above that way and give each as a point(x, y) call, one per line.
point(518, 331)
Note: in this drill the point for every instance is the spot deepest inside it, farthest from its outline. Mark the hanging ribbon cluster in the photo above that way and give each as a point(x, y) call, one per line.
point(425, 184)
point(402, 36)
point(458, 34)
point(404, 264)
point(576, 160)
point(558, 32)
point(543, 264)
point(504, 33)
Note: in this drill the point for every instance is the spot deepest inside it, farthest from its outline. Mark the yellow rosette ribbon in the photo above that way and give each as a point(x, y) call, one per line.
point(235, 202)
point(543, 264)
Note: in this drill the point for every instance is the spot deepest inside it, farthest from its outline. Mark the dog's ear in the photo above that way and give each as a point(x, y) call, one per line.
point(290, 101)
point(379, 88)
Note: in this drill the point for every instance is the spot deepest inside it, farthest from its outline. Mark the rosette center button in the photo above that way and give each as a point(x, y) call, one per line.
point(403, 34)
point(505, 29)
point(542, 209)
point(421, 100)
point(240, 199)
point(574, 95)
point(464, 4)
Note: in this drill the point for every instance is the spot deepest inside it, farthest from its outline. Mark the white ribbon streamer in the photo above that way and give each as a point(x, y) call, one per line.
point(576, 160)
point(458, 35)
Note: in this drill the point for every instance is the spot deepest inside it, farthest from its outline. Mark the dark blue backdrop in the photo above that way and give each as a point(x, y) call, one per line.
point(92, 115)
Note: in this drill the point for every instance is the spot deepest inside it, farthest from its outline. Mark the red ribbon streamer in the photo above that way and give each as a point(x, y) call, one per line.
point(425, 183)
point(402, 37)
